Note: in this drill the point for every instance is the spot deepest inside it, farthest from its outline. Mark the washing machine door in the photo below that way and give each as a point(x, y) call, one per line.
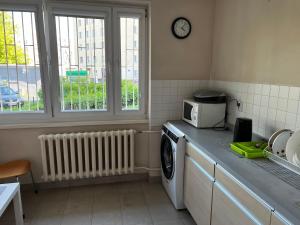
point(166, 155)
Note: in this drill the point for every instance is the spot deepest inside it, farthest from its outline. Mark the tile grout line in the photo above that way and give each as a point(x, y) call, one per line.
point(92, 209)
point(121, 205)
point(65, 207)
point(147, 204)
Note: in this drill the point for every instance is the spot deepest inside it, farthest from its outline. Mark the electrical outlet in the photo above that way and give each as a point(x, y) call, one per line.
point(240, 106)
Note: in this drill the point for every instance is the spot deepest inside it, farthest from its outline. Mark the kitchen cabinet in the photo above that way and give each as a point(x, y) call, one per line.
point(213, 196)
point(248, 199)
point(198, 185)
point(251, 187)
point(277, 219)
point(226, 210)
point(201, 158)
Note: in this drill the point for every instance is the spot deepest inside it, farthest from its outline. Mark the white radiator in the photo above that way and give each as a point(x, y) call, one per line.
point(84, 155)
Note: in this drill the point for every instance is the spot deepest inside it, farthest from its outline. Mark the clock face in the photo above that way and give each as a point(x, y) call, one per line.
point(181, 28)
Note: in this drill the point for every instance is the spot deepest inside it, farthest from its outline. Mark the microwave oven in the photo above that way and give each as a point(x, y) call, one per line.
point(204, 114)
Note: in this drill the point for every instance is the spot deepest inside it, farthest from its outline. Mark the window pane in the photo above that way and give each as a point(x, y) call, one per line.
point(130, 63)
point(20, 79)
point(81, 56)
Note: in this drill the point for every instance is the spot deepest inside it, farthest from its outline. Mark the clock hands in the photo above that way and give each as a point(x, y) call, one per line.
point(183, 27)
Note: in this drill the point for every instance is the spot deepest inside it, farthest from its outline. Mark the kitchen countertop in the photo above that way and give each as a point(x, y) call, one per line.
point(281, 196)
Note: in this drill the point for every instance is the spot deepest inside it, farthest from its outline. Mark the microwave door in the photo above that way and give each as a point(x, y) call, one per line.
point(188, 108)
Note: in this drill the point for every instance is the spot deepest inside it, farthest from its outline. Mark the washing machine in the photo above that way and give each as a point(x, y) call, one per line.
point(172, 151)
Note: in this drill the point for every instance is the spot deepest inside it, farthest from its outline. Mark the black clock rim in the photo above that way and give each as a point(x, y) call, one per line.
point(173, 27)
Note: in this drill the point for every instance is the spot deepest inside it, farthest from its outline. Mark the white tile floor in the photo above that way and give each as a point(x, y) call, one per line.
point(137, 203)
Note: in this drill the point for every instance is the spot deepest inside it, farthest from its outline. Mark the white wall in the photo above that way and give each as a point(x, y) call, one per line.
point(257, 41)
point(188, 59)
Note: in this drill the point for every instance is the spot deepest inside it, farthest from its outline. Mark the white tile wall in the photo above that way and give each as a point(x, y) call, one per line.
point(271, 107)
point(167, 97)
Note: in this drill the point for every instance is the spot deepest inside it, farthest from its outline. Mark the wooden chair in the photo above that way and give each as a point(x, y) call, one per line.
point(16, 169)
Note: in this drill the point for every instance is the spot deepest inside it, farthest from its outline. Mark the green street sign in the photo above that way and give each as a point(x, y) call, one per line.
point(76, 73)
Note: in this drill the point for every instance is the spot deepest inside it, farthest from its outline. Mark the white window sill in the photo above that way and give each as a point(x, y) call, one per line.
point(71, 124)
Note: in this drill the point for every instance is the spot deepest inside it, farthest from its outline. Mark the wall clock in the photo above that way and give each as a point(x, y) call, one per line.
point(181, 27)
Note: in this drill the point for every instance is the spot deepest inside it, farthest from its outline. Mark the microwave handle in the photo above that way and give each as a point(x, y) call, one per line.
point(191, 111)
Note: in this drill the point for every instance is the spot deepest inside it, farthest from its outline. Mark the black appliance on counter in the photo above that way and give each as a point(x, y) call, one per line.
point(242, 130)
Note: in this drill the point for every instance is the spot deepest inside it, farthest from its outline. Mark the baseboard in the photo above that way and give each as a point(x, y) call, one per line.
point(154, 176)
point(155, 173)
point(89, 181)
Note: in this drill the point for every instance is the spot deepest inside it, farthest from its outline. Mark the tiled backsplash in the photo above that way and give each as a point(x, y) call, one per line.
point(167, 97)
point(271, 107)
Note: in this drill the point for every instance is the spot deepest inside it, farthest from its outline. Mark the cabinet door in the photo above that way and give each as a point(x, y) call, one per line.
point(253, 203)
point(227, 211)
point(198, 187)
point(276, 219)
point(201, 158)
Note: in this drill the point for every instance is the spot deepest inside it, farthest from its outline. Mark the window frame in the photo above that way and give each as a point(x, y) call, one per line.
point(29, 116)
point(131, 13)
point(112, 47)
point(45, 12)
point(77, 11)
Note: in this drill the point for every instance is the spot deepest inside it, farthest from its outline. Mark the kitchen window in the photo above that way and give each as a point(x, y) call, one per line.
point(130, 28)
point(20, 75)
point(93, 66)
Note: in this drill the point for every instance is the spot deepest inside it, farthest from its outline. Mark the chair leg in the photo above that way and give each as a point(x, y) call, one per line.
point(33, 183)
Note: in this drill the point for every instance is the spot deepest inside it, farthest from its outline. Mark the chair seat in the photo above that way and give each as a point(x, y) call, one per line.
point(14, 168)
